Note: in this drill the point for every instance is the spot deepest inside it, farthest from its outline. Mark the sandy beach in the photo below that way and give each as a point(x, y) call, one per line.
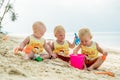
point(13, 67)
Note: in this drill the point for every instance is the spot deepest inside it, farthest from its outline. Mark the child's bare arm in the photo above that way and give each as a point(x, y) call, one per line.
point(71, 45)
point(52, 46)
point(49, 50)
point(75, 51)
point(24, 43)
point(101, 50)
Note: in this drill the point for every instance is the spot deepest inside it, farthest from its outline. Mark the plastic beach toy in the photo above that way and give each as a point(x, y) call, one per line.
point(77, 40)
point(38, 58)
point(104, 57)
point(77, 60)
point(27, 49)
point(105, 73)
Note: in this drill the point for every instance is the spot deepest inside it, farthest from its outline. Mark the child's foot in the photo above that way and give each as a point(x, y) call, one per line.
point(85, 68)
point(45, 56)
point(89, 69)
point(26, 57)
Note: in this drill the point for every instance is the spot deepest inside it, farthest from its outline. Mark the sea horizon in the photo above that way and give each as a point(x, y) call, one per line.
point(104, 39)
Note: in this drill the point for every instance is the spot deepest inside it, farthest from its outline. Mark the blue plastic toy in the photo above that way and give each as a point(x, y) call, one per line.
point(77, 40)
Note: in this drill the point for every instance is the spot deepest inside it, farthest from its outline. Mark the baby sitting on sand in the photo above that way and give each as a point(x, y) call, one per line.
point(34, 44)
point(90, 49)
point(61, 46)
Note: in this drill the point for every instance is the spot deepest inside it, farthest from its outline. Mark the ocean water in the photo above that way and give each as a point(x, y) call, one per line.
point(105, 39)
point(110, 40)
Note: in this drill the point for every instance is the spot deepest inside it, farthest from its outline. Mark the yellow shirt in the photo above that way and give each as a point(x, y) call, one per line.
point(61, 48)
point(36, 44)
point(90, 51)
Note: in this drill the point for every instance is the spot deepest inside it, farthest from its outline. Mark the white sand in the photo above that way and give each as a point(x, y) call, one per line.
point(13, 67)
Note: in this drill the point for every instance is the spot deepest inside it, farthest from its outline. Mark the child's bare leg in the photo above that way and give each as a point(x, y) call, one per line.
point(45, 56)
point(85, 67)
point(26, 57)
point(29, 56)
point(96, 64)
point(49, 43)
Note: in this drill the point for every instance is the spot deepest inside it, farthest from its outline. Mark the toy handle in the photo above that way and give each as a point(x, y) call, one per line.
point(76, 35)
point(77, 40)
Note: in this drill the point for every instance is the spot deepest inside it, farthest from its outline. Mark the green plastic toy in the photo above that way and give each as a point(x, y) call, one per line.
point(38, 58)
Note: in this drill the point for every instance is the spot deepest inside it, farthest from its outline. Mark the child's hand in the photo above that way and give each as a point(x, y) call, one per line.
point(104, 56)
point(17, 49)
point(54, 55)
point(105, 53)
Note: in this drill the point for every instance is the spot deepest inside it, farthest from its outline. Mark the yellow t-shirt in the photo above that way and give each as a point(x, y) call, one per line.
point(90, 51)
point(61, 48)
point(36, 43)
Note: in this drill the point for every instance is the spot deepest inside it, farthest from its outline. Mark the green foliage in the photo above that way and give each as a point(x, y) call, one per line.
point(9, 7)
point(6, 8)
point(1, 3)
point(13, 17)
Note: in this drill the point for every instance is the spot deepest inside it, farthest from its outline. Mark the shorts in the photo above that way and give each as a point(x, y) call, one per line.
point(66, 59)
point(90, 62)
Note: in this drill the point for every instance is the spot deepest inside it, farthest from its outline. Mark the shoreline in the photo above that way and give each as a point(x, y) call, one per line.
point(22, 36)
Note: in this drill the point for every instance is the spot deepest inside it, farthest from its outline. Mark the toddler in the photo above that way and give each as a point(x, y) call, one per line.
point(35, 44)
point(61, 46)
point(90, 49)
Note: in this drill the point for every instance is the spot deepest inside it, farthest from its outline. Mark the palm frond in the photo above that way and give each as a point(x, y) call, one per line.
point(13, 16)
point(9, 7)
point(1, 3)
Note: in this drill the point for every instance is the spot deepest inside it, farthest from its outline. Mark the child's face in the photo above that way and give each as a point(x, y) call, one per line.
point(60, 36)
point(86, 40)
point(38, 31)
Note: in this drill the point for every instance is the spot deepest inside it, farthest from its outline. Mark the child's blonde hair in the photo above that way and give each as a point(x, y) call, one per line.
point(58, 28)
point(83, 32)
point(37, 23)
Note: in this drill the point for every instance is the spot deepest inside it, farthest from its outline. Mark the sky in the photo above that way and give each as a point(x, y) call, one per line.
point(98, 15)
